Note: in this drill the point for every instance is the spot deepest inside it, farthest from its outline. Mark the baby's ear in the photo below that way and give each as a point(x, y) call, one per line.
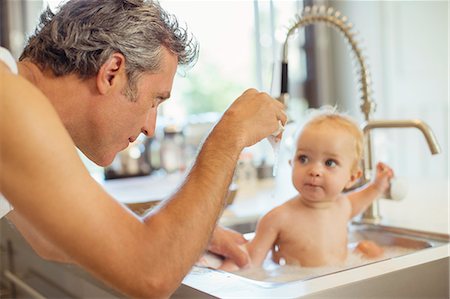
point(355, 176)
point(290, 162)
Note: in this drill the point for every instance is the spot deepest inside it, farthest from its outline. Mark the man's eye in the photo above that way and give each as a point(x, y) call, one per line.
point(330, 163)
point(156, 102)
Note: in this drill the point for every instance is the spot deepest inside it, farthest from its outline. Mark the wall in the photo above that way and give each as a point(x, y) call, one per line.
point(406, 43)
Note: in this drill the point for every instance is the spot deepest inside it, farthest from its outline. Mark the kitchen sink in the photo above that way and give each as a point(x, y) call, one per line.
point(396, 242)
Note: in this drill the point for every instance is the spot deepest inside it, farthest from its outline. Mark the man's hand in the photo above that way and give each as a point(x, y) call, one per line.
point(227, 243)
point(252, 116)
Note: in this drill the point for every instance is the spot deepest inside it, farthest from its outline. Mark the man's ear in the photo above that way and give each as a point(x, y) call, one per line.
point(110, 72)
point(353, 178)
point(290, 162)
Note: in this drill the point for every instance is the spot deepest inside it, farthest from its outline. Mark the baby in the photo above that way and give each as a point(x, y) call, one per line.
point(310, 229)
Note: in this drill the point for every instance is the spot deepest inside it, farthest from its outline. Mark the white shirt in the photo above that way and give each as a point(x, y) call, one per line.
point(7, 58)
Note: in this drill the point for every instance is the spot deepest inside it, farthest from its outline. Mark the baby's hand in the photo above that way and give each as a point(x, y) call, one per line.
point(383, 177)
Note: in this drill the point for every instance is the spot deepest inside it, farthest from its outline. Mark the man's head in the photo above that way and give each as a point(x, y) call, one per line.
point(83, 35)
point(328, 155)
point(126, 52)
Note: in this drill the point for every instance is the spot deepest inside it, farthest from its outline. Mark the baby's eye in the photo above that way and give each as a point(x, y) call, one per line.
point(303, 159)
point(330, 163)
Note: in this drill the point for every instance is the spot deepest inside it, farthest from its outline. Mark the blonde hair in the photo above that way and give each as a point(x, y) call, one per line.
point(330, 116)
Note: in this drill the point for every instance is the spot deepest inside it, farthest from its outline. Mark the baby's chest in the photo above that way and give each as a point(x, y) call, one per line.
point(317, 231)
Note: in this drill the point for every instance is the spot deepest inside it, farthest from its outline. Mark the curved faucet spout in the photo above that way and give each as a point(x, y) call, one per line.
point(409, 123)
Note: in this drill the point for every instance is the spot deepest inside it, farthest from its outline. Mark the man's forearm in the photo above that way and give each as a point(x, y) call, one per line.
point(202, 197)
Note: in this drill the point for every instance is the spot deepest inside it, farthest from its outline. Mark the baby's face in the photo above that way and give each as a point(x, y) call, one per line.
point(322, 165)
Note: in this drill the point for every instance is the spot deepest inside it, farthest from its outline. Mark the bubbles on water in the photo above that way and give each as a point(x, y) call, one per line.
point(273, 272)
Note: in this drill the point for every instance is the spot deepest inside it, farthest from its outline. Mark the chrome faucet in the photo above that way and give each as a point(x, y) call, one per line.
point(328, 15)
point(372, 214)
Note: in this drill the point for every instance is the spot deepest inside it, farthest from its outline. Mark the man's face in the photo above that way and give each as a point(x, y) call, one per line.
point(117, 121)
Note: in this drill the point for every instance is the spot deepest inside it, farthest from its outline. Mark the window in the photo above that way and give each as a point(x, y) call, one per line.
point(240, 47)
point(239, 44)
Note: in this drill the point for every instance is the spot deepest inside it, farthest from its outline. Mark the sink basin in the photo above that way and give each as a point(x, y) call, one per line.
point(395, 241)
point(415, 265)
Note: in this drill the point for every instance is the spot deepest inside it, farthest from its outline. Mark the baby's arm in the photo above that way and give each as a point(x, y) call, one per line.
point(265, 237)
point(362, 198)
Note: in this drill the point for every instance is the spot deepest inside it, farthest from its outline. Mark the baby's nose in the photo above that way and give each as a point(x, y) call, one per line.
point(316, 170)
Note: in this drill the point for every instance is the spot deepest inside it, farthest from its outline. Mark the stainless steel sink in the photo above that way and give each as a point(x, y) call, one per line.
point(396, 242)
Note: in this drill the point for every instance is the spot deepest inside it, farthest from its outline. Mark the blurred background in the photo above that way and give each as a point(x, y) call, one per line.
point(405, 42)
point(406, 46)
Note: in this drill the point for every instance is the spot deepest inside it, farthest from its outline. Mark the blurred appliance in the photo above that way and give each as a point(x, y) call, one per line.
point(172, 149)
point(130, 162)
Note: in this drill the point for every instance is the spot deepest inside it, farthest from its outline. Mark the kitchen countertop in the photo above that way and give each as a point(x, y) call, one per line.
point(425, 207)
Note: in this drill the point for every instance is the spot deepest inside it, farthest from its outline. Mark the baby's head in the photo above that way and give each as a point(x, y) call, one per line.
point(338, 123)
point(329, 148)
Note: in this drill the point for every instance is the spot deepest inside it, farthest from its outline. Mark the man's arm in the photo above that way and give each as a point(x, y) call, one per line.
point(362, 198)
point(40, 244)
point(46, 182)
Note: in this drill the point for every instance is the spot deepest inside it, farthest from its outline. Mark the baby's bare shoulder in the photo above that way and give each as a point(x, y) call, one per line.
point(281, 213)
point(285, 208)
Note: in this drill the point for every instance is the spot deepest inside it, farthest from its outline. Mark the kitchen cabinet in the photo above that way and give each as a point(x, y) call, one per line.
point(51, 279)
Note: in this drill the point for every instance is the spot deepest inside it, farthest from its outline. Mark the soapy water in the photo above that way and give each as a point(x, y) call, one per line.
point(275, 143)
point(276, 150)
point(273, 272)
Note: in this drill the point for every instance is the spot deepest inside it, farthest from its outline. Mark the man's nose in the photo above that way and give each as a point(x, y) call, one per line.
point(150, 123)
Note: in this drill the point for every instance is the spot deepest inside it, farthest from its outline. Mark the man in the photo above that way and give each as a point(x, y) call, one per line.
point(93, 76)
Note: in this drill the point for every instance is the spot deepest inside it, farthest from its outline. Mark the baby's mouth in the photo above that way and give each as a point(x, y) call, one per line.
point(312, 185)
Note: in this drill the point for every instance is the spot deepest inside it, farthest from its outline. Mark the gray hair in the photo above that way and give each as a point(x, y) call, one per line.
point(83, 34)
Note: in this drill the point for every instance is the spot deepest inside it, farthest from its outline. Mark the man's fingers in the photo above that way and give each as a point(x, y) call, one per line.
point(239, 255)
point(279, 130)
